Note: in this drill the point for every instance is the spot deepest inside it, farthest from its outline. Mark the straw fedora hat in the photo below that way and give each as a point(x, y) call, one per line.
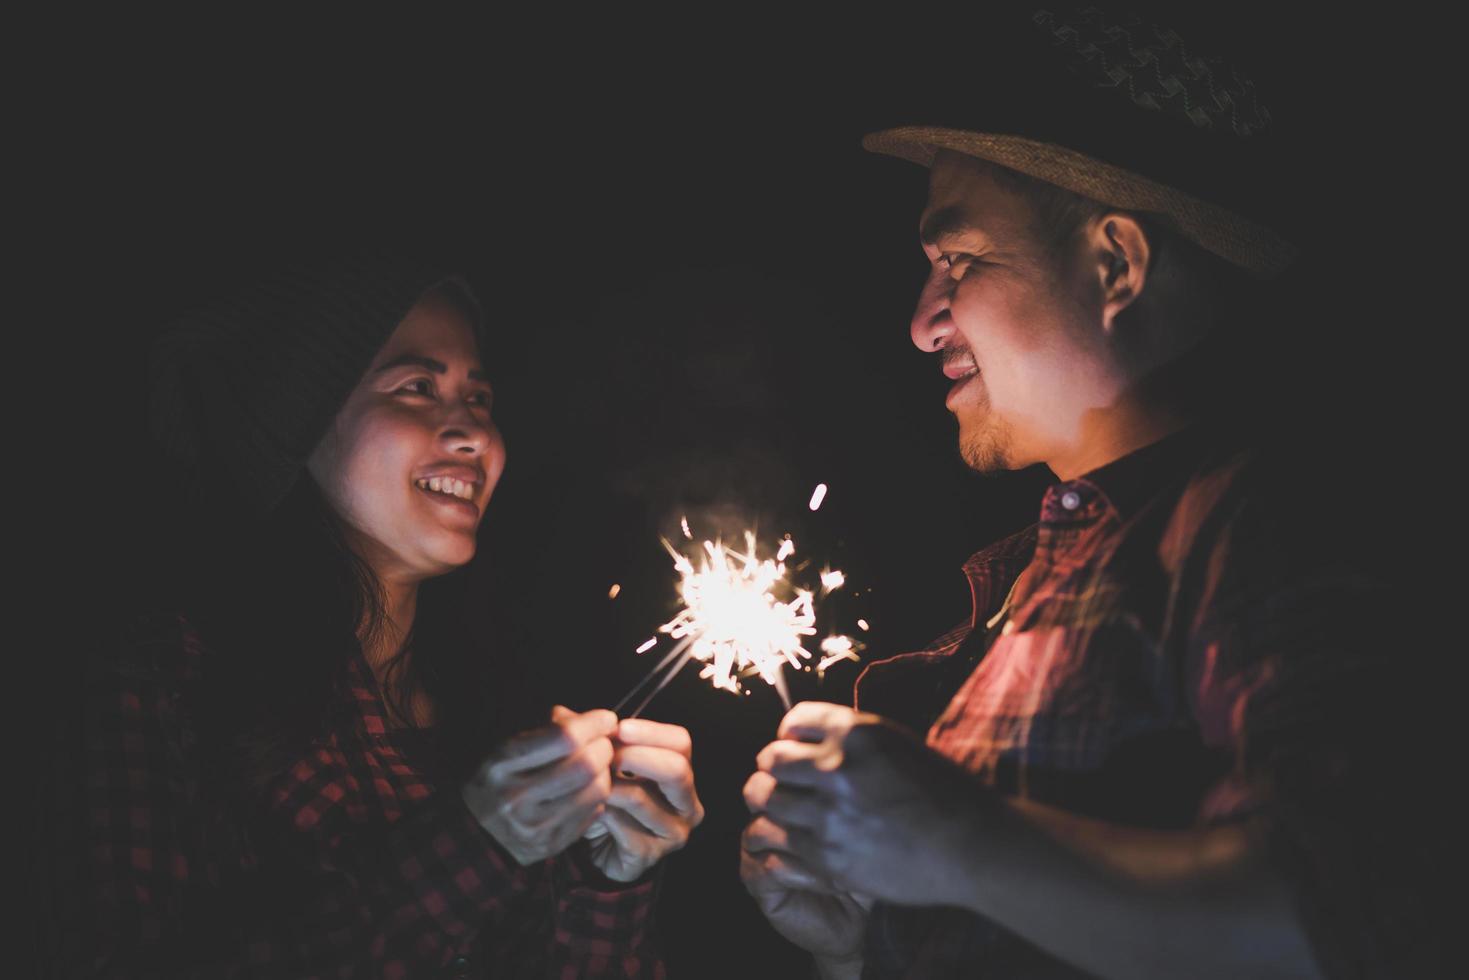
point(1127, 111)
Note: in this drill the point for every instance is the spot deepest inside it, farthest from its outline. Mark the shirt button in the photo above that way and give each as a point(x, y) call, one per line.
point(459, 968)
point(1070, 500)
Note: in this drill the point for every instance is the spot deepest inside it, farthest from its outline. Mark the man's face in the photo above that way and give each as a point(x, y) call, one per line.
point(1016, 322)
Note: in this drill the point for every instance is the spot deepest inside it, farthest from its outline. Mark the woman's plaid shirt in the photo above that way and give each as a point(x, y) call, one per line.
point(360, 867)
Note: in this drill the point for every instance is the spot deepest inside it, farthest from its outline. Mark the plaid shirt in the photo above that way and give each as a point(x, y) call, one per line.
point(360, 867)
point(1162, 651)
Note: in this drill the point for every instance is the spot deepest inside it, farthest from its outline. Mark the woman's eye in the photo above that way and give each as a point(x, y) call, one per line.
point(419, 386)
point(480, 398)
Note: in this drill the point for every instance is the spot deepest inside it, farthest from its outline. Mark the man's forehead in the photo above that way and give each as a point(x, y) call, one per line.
point(963, 196)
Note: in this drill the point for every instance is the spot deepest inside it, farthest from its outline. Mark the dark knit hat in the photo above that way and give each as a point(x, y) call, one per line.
point(1124, 109)
point(241, 391)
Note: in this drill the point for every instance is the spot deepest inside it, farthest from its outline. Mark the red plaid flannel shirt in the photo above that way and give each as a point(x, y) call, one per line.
point(1162, 650)
point(360, 866)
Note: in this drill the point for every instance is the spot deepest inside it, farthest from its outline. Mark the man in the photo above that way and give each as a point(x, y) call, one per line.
point(1128, 762)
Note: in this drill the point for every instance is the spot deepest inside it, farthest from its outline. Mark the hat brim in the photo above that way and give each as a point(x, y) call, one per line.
point(1232, 237)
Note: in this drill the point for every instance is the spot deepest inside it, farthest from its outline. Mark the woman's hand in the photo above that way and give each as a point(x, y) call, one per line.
point(541, 790)
point(653, 806)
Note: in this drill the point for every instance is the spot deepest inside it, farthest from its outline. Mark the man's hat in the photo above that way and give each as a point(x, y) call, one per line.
point(1125, 111)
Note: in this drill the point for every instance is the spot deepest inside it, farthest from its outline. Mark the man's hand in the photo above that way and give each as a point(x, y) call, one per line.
point(653, 806)
point(542, 789)
point(862, 803)
point(801, 904)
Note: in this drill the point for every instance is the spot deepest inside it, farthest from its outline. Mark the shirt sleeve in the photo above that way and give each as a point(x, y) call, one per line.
point(1291, 673)
point(173, 889)
point(603, 928)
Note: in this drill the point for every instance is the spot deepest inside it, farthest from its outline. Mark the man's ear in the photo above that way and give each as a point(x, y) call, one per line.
point(1121, 249)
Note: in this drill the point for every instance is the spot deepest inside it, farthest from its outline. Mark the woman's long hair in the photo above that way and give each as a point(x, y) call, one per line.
point(283, 608)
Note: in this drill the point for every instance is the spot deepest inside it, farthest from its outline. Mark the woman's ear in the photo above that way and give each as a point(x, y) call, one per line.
point(1121, 249)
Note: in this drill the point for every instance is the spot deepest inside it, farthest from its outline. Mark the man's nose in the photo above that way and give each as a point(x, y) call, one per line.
point(932, 325)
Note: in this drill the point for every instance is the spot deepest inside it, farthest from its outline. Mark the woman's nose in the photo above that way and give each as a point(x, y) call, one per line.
point(932, 325)
point(466, 432)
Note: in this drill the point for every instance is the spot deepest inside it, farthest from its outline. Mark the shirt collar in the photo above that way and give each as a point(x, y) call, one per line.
point(1126, 484)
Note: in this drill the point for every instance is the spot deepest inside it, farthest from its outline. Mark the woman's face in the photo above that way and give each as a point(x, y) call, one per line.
point(418, 420)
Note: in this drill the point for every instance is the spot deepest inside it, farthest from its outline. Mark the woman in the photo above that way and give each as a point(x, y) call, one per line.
point(303, 768)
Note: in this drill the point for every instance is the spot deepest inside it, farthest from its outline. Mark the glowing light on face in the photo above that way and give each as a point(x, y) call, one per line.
point(817, 496)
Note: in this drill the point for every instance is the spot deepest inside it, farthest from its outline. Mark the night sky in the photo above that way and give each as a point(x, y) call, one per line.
point(700, 285)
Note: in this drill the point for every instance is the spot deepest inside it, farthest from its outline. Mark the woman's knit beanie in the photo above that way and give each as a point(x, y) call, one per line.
point(241, 391)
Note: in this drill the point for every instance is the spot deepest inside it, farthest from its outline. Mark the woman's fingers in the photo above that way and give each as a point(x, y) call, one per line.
point(577, 770)
point(568, 732)
point(578, 808)
point(669, 769)
point(641, 731)
point(639, 801)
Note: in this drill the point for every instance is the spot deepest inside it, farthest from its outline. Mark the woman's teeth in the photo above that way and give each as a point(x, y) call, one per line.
point(456, 488)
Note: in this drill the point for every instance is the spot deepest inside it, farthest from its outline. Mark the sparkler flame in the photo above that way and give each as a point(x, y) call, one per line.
point(736, 621)
point(837, 649)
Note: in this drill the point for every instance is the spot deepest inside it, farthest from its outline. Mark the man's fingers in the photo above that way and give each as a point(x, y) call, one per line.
point(757, 790)
point(665, 767)
point(764, 834)
point(812, 721)
point(579, 769)
point(798, 763)
point(541, 746)
point(641, 731)
point(778, 870)
point(793, 807)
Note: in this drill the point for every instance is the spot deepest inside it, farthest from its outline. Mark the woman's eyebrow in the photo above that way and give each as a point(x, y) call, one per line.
point(437, 367)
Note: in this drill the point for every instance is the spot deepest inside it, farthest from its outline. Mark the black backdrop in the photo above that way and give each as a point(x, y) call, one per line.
point(700, 284)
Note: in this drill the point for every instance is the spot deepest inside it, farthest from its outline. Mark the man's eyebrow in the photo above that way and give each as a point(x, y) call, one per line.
point(437, 367)
point(945, 221)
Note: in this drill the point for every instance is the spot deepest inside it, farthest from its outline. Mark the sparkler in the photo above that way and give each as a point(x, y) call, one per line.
point(735, 621)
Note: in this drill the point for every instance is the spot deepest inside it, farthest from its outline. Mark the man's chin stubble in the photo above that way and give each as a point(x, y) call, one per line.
point(987, 452)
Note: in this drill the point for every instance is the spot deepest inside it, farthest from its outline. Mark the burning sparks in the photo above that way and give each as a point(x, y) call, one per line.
point(862, 625)
point(817, 496)
point(836, 648)
point(739, 619)
point(683, 522)
point(648, 644)
point(612, 592)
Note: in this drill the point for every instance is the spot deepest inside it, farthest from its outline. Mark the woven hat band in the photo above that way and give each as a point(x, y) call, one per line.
point(1235, 239)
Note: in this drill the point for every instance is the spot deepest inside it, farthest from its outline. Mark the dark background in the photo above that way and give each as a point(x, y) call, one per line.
point(701, 287)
